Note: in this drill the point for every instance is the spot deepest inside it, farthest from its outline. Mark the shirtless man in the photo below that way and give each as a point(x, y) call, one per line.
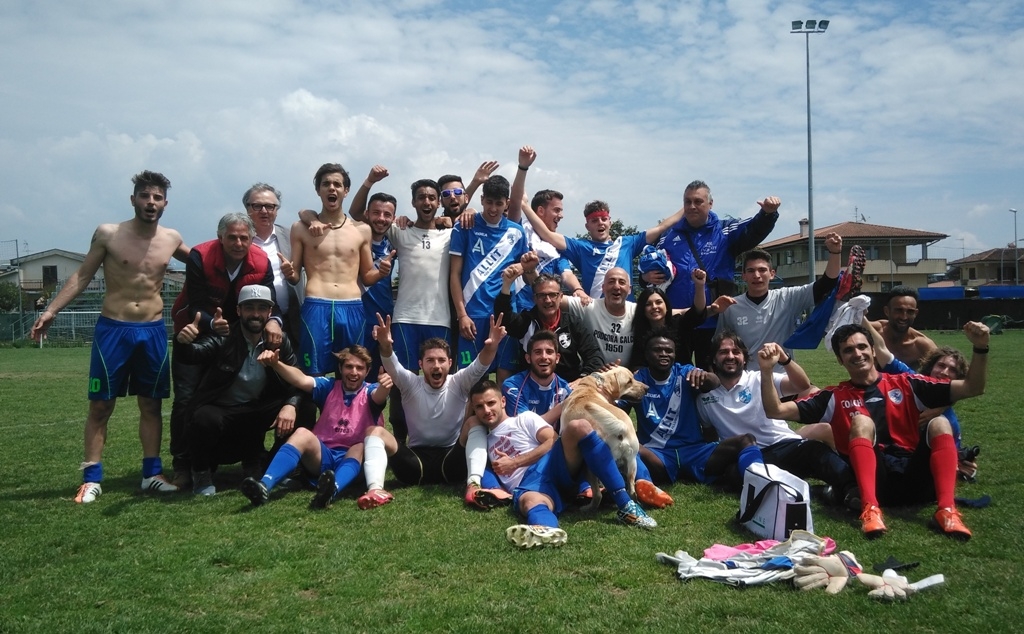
point(129, 350)
point(335, 263)
point(906, 343)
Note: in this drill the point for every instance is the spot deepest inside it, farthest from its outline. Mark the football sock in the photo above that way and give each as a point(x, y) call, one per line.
point(943, 462)
point(151, 467)
point(476, 453)
point(490, 481)
point(642, 472)
point(865, 466)
point(598, 457)
point(748, 456)
point(375, 462)
point(284, 462)
point(541, 515)
point(346, 473)
point(92, 472)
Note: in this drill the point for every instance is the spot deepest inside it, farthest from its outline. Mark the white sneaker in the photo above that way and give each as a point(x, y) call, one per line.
point(158, 483)
point(202, 483)
point(529, 536)
point(88, 492)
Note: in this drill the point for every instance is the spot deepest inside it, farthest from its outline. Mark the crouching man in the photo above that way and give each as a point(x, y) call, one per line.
point(237, 399)
point(349, 408)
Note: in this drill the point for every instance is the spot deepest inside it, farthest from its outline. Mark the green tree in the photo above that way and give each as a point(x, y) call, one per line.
point(9, 295)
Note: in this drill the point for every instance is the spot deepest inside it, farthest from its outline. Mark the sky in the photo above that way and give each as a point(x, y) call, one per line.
point(916, 107)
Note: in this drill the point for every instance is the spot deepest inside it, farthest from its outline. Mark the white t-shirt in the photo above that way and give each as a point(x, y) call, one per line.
point(424, 263)
point(513, 437)
point(614, 334)
point(434, 417)
point(740, 410)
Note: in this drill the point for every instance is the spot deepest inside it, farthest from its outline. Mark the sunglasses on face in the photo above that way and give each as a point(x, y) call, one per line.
point(448, 193)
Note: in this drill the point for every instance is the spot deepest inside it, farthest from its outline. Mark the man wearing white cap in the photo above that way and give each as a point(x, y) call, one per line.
point(237, 399)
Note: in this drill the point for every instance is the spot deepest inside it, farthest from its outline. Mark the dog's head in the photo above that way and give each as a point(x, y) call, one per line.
point(619, 383)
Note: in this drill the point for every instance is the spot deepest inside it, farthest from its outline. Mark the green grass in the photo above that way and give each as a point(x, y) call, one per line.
point(134, 563)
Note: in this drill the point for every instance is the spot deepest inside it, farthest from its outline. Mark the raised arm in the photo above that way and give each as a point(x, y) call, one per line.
point(289, 373)
point(526, 158)
point(494, 337)
point(767, 357)
point(974, 384)
point(654, 233)
point(553, 238)
point(77, 283)
point(796, 380)
point(357, 208)
point(480, 177)
point(883, 356)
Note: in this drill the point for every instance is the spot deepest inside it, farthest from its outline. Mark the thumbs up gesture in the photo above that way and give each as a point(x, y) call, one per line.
point(287, 269)
point(189, 333)
point(384, 266)
point(220, 325)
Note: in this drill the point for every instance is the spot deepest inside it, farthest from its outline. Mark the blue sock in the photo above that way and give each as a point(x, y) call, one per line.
point(642, 472)
point(93, 472)
point(599, 458)
point(346, 473)
point(541, 515)
point(151, 467)
point(749, 456)
point(284, 462)
point(489, 481)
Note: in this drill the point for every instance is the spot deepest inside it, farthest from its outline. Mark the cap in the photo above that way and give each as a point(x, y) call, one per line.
point(255, 293)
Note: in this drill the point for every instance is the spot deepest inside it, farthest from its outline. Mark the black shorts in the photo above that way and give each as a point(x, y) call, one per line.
point(904, 478)
point(429, 465)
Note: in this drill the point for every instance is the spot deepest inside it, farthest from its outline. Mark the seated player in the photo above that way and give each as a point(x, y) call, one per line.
point(538, 389)
point(734, 408)
point(672, 444)
point(349, 408)
point(517, 442)
point(435, 406)
point(875, 422)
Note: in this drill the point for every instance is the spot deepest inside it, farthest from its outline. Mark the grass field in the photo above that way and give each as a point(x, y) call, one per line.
point(136, 563)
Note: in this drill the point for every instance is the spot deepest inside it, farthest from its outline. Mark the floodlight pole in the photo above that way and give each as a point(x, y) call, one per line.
point(813, 26)
point(1016, 276)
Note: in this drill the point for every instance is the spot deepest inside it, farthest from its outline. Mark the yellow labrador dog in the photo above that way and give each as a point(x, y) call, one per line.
point(593, 398)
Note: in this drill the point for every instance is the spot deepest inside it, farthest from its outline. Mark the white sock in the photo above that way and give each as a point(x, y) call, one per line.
point(375, 462)
point(476, 454)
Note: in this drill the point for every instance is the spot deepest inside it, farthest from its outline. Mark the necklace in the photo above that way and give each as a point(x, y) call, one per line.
point(339, 225)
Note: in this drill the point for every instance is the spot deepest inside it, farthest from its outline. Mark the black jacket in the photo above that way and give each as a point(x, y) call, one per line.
point(580, 352)
point(222, 358)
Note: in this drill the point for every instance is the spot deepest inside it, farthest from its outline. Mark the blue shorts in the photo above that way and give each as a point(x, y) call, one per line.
point(331, 459)
point(129, 358)
point(506, 358)
point(549, 476)
point(690, 459)
point(408, 338)
point(328, 326)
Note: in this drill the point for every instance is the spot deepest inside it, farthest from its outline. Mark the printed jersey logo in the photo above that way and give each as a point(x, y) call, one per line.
point(745, 396)
point(564, 340)
point(896, 396)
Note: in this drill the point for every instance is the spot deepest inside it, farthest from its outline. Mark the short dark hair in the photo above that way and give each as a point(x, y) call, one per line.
point(902, 291)
point(660, 333)
point(435, 343)
point(496, 188)
point(543, 197)
point(758, 254)
point(595, 206)
point(425, 182)
point(482, 386)
point(449, 178)
point(384, 198)
point(845, 332)
point(716, 344)
point(332, 168)
point(544, 278)
point(146, 178)
point(929, 360)
point(543, 335)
